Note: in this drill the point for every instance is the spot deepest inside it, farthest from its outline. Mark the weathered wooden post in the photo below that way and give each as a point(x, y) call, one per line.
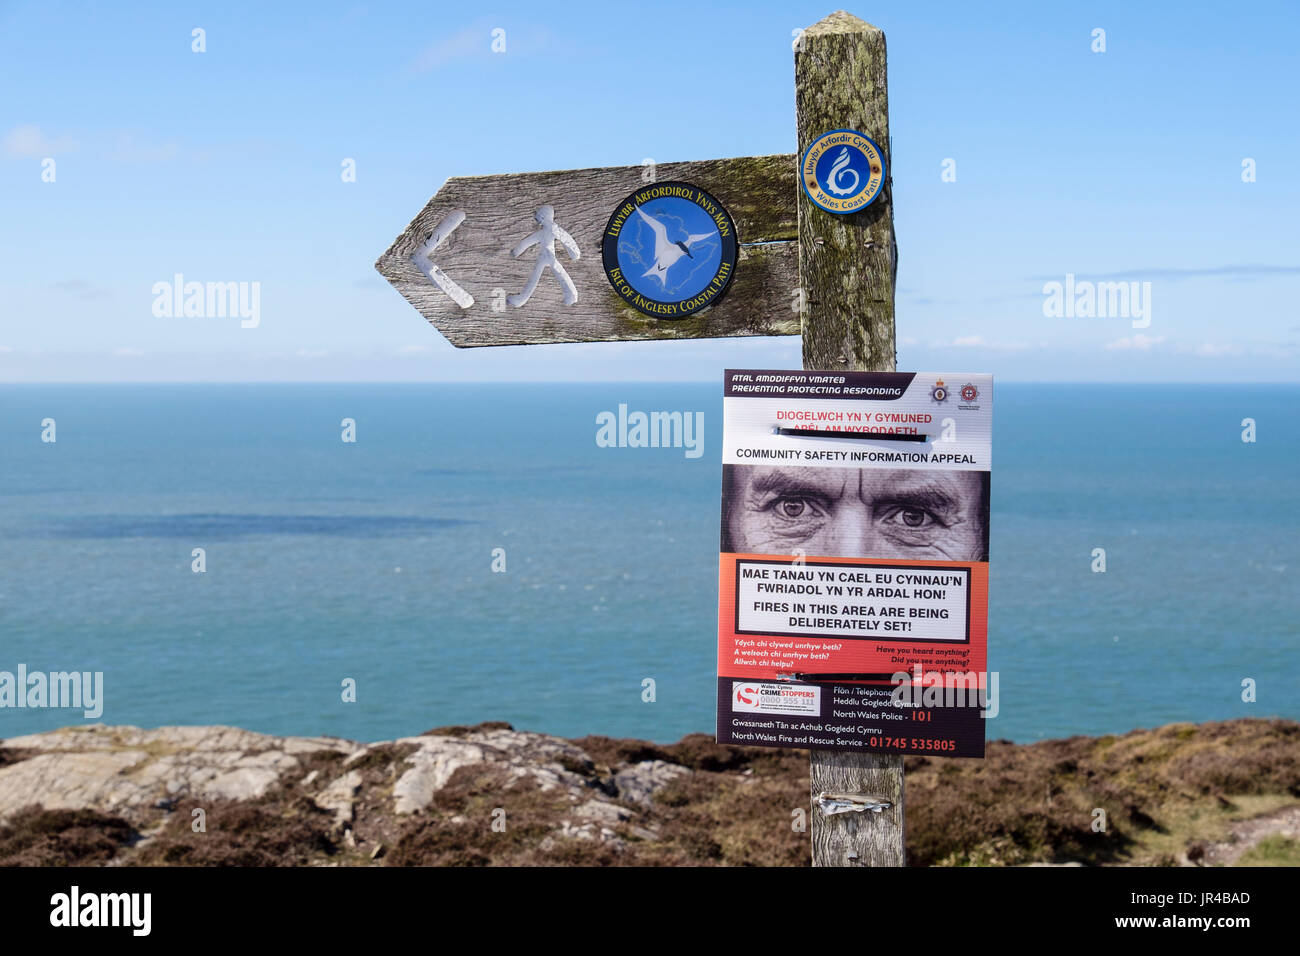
point(847, 266)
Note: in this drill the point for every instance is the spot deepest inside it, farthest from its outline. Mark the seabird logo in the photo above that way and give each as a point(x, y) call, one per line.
point(667, 251)
point(75, 908)
point(670, 250)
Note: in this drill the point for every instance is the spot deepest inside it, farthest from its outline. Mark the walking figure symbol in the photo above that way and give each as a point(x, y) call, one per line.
point(545, 238)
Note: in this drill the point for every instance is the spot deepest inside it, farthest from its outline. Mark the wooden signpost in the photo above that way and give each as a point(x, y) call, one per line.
point(481, 220)
point(516, 260)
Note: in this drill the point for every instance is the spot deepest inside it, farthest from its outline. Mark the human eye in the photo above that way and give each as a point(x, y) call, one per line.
point(795, 507)
point(909, 518)
point(913, 522)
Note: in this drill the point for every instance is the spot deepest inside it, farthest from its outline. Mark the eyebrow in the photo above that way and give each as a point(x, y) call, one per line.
point(801, 481)
point(930, 498)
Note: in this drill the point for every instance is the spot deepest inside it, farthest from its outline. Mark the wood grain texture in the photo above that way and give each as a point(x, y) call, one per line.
point(857, 839)
point(758, 191)
point(847, 266)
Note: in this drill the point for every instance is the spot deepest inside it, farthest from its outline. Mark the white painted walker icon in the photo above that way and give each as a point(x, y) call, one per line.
point(545, 238)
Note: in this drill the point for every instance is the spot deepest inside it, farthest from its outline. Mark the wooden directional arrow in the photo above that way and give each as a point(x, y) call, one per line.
point(455, 262)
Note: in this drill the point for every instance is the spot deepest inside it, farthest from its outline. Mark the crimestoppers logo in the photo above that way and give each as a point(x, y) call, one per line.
point(761, 698)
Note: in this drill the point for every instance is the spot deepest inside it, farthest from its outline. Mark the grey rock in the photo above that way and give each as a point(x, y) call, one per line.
point(641, 781)
point(139, 773)
point(123, 769)
point(340, 797)
point(524, 756)
point(602, 812)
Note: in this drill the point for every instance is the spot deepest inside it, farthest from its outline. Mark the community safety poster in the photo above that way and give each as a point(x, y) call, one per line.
point(853, 575)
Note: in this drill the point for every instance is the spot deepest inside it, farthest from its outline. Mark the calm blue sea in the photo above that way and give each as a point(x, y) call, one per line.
point(373, 560)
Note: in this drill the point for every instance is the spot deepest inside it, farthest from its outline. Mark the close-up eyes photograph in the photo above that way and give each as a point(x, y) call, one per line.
point(737, 437)
point(832, 511)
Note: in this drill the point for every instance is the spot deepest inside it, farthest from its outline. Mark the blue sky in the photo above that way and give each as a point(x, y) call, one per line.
point(225, 165)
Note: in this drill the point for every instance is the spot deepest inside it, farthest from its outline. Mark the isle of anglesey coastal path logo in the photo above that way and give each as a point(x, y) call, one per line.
point(670, 250)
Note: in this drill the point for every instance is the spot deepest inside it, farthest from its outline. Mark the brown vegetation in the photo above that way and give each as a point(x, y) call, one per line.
point(38, 837)
point(1167, 795)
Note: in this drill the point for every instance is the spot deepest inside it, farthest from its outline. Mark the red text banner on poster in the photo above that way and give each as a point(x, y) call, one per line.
point(849, 616)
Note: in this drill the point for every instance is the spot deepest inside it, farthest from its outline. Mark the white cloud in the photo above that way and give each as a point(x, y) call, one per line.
point(1135, 343)
point(458, 46)
point(476, 40)
point(32, 141)
point(125, 352)
point(80, 288)
point(131, 149)
point(979, 342)
point(1213, 350)
point(1225, 349)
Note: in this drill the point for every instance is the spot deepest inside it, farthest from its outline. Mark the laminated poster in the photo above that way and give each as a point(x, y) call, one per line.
point(853, 577)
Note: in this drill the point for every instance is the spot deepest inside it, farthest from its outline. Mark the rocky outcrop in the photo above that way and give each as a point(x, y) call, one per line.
point(639, 782)
point(494, 795)
point(434, 759)
point(367, 795)
point(124, 769)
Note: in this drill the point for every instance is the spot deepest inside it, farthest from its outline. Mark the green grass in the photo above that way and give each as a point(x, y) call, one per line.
point(1272, 851)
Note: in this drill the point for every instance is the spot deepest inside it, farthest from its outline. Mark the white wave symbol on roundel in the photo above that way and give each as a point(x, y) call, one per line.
point(839, 169)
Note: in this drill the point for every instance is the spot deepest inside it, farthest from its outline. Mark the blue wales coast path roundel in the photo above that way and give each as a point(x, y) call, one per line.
point(842, 171)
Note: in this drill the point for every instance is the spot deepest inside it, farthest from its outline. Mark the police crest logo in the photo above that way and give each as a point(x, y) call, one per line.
point(670, 250)
point(843, 171)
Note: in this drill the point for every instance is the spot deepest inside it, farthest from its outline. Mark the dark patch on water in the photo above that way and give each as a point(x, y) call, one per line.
point(512, 472)
point(221, 526)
